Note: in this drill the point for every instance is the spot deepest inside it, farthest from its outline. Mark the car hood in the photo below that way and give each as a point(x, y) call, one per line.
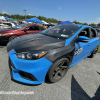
point(6, 30)
point(36, 42)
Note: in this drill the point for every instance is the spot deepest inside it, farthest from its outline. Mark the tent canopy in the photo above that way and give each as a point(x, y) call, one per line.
point(2, 18)
point(45, 22)
point(6, 17)
point(34, 20)
point(65, 22)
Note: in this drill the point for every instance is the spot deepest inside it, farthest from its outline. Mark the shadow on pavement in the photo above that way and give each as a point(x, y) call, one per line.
point(77, 93)
point(98, 73)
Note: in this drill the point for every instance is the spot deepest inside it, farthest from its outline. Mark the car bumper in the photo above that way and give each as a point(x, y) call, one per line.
point(4, 39)
point(28, 71)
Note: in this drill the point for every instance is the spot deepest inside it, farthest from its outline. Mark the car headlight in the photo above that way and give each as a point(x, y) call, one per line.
point(31, 55)
point(3, 34)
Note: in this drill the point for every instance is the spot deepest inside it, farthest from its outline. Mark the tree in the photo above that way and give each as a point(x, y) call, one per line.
point(98, 24)
point(22, 17)
point(85, 23)
point(92, 24)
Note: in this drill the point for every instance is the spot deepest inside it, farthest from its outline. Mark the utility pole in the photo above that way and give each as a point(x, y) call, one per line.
point(25, 13)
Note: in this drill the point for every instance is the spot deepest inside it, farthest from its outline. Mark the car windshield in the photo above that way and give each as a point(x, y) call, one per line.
point(19, 26)
point(61, 31)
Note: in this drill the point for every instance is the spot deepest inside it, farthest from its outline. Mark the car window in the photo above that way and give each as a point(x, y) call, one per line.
point(20, 26)
point(93, 33)
point(41, 28)
point(33, 28)
point(85, 32)
point(61, 31)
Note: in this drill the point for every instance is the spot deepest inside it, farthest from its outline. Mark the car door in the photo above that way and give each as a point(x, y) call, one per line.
point(94, 39)
point(82, 49)
point(33, 29)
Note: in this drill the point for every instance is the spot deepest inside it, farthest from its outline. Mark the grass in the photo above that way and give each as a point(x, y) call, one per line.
point(99, 48)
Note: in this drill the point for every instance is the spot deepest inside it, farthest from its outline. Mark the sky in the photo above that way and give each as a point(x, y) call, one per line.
point(80, 10)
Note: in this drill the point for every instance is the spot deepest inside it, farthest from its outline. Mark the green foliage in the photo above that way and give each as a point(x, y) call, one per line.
point(98, 24)
point(85, 23)
point(99, 48)
point(76, 22)
point(92, 24)
point(79, 23)
point(21, 17)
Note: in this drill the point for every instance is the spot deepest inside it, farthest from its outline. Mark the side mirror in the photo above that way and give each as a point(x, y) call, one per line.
point(83, 39)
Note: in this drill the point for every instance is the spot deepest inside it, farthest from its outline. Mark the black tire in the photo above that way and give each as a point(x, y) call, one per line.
point(93, 53)
point(12, 37)
point(58, 70)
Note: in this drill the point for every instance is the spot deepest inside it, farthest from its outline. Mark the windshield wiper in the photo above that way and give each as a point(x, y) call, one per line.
point(51, 36)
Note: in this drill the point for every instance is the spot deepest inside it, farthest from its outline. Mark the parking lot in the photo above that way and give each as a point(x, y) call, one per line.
point(82, 82)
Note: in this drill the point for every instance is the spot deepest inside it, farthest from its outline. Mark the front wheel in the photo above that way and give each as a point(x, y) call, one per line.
point(58, 70)
point(12, 37)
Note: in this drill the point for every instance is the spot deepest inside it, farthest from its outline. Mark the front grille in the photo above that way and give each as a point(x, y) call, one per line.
point(27, 76)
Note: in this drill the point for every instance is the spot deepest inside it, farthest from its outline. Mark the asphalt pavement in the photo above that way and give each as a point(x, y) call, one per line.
point(82, 82)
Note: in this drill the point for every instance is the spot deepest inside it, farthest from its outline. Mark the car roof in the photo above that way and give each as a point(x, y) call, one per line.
point(36, 25)
point(82, 26)
point(31, 25)
point(6, 22)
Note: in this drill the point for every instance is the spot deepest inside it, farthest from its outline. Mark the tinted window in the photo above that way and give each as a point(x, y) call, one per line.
point(33, 28)
point(61, 31)
point(41, 28)
point(85, 32)
point(93, 33)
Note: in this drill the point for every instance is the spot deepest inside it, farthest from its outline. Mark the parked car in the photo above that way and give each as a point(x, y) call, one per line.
point(49, 54)
point(4, 26)
point(7, 35)
point(10, 24)
point(98, 30)
point(7, 25)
